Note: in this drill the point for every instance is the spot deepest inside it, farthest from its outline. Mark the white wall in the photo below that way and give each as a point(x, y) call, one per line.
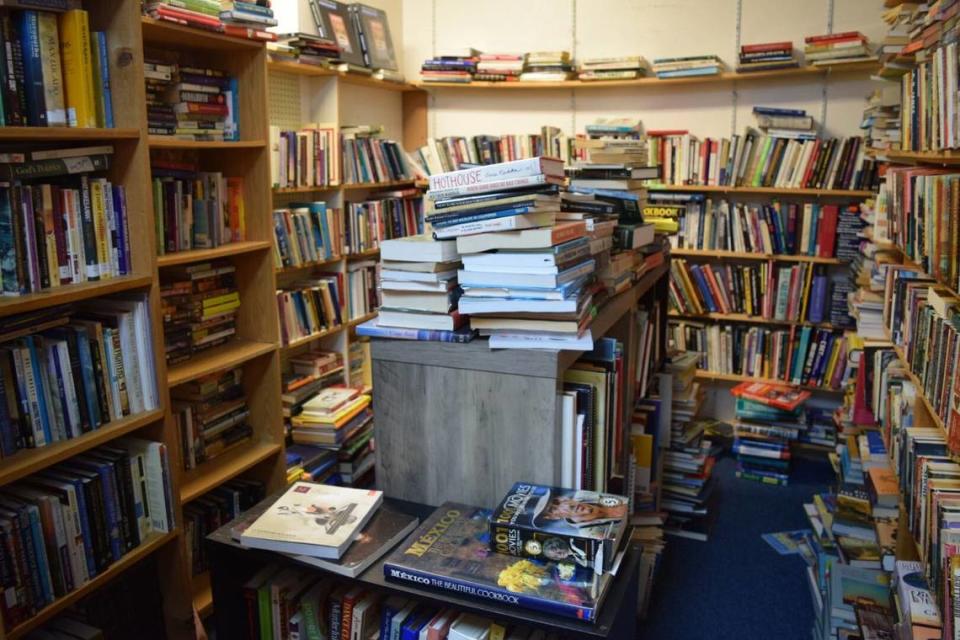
point(652, 28)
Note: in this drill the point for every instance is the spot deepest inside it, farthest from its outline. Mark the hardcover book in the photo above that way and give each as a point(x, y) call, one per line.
point(451, 552)
point(313, 519)
point(562, 525)
point(373, 32)
point(333, 22)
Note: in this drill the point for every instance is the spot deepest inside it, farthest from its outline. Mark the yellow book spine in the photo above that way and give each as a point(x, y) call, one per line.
point(77, 68)
point(52, 73)
point(100, 227)
point(50, 238)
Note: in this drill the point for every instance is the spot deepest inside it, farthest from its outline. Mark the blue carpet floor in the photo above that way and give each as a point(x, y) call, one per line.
point(735, 585)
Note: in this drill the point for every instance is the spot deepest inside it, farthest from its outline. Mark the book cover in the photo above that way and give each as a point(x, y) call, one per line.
point(536, 521)
point(78, 67)
point(332, 19)
point(373, 32)
point(313, 519)
point(451, 552)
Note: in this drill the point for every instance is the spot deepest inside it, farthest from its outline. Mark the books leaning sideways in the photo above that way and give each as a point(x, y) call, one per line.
point(767, 56)
point(619, 68)
point(837, 48)
point(547, 66)
point(248, 20)
point(191, 103)
point(686, 66)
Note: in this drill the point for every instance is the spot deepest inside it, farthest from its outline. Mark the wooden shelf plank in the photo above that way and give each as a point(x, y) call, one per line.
point(148, 546)
point(809, 71)
point(309, 70)
point(66, 134)
point(362, 319)
point(223, 251)
point(733, 377)
point(297, 342)
point(743, 318)
point(378, 185)
point(307, 266)
point(772, 191)
point(948, 156)
point(225, 356)
point(368, 253)
point(741, 255)
point(160, 33)
point(210, 475)
point(28, 461)
point(202, 594)
point(315, 189)
point(169, 142)
point(71, 293)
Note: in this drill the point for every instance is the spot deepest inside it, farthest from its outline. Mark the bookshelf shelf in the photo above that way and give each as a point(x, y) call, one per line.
point(223, 251)
point(361, 319)
point(810, 71)
point(296, 68)
point(712, 376)
point(231, 354)
point(378, 185)
point(66, 134)
point(28, 461)
point(368, 253)
point(161, 32)
point(740, 255)
point(743, 318)
point(917, 157)
point(169, 142)
point(769, 191)
point(71, 293)
point(202, 594)
point(147, 547)
point(307, 267)
point(289, 190)
point(227, 466)
point(299, 342)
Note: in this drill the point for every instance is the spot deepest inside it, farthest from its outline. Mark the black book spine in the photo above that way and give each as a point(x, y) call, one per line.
point(86, 423)
point(39, 232)
point(18, 105)
point(99, 363)
point(88, 231)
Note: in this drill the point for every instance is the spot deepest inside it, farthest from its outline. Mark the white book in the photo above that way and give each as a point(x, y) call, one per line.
point(524, 280)
point(415, 276)
point(543, 341)
point(508, 223)
point(424, 287)
point(498, 268)
point(414, 320)
point(567, 425)
point(473, 176)
point(509, 292)
point(417, 301)
point(156, 469)
point(421, 248)
point(469, 306)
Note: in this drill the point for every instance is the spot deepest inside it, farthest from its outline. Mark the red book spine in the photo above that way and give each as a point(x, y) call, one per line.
point(769, 46)
point(827, 234)
point(811, 163)
point(832, 37)
point(718, 295)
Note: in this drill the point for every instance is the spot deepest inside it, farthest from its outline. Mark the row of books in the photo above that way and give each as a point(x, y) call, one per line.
point(199, 303)
point(362, 281)
point(451, 153)
point(308, 157)
point(69, 523)
point(789, 293)
point(756, 159)
point(54, 71)
point(211, 415)
point(926, 120)
point(307, 233)
point(191, 102)
point(311, 306)
point(249, 20)
point(195, 209)
point(74, 370)
point(802, 355)
point(368, 223)
point(211, 511)
point(367, 158)
point(65, 231)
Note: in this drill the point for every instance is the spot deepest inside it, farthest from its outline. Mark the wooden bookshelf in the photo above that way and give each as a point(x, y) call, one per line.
point(945, 157)
point(210, 475)
point(921, 393)
point(169, 142)
point(299, 342)
point(742, 255)
point(66, 134)
point(233, 353)
point(313, 71)
point(202, 594)
point(743, 318)
point(363, 255)
point(66, 294)
point(762, 191)
point(392, 184)
point(810, 72)
point(203, 255)
point(711, 376)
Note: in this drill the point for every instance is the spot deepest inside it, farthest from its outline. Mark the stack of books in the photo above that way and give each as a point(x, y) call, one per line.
point(769, 417)
point(200, 14)
point(199, 304)
point(499, 67)
point(311, 307)
point(332, 416)
point(195, 209)
point(211, 415)
point(393, 214)
point(706, 65)
point(304, 158)
point(837, 48)
point(310, 372)
point(785, 123)
point(881, 121)
point(310, 463)
point(366, 158)
point(899, 48)
point(619, 68)
point(191, 103)
point(453, 152)
point(248, 20)
point(211, 511)
point(547, 66)
point(305, 48)
point(449, 69)
point(767, 56)
point(306, 233)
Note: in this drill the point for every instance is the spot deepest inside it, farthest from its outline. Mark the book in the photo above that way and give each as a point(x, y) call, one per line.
point(369, 223)
point(418, 248)
point(373, 31)
point(776, 396)
point(374, 329)
point(314, 520)
point(523, 239)
point(333, 21)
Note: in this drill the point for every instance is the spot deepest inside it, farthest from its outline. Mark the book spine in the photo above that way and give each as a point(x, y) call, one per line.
point(78, 67)
point(88, 225)
point(33, 69)
point(49, 46)
point(104, 91)
point(12, 62)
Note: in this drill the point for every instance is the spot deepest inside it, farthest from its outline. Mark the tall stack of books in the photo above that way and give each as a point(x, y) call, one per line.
point(619, 68)
point(769, 416)
point(881, 121)
point(499, 67)
point(686, 66)
point(310, 372)
point(837, 48)
point(449, 69)
point(211, 415)
point(311, 307)
point(547, 66)
point(778, 123)
point(200, 14)
point(304, 158)
point(199, 304)
point(767, 56)
point(248, 20)
point(367, 158)
point(191, 103)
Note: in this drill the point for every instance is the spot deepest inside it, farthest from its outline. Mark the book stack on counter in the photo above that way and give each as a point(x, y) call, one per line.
point(191, 103)
point(393, 214)
point(756, 159)
point(199, 14)
point(199, 303)
point(366, 158)
point(311, 307)
point(881, 122)
point(419, 292)
point(767, 56)
point(499, 67)
point(306, 233)
point(570, 540)
point(248, 19)
point(56, 71)
point(706, 65)
point(59, 224)
point(72, 521)
point(304, 158)
point(305, 48)
point(768, 418)
point(785, 123)
point(451, 68)
point(212, 510)
point(837, 48)
point(211, 415)
point(620, 68)
point(72, 370)
point(547, 66)
point(454, 152)
point(195, 209)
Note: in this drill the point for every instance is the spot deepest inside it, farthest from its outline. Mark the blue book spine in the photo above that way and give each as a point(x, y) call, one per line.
point(814, 223)
point(111, 505)
point(704, 287)
point(776, 111)
point(423, 335)
point(85, 527)
point(32, 69)
point(283, 244)
point(454, 220)
point(8, 251)
point(30, 343)
point(488, 592)
point(799, 355)
point(89, 380)
point(57, 371)
point(321, 230)
point(8, 439)
point(235, 108)
point(123, 233)
point(817, 299)
point(107, 95)
point(43, 565)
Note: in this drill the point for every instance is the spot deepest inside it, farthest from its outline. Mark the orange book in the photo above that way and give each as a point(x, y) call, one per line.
point(719, 294)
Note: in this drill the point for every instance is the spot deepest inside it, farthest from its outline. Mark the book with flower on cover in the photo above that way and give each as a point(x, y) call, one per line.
point(315, 520)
